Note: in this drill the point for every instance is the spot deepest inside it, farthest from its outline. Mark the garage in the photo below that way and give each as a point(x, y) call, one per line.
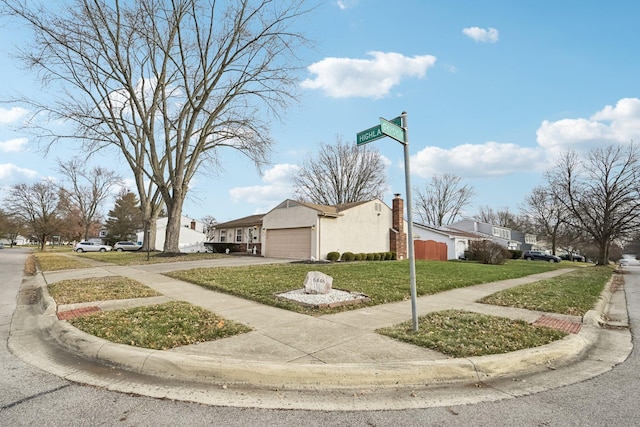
point(292, 243)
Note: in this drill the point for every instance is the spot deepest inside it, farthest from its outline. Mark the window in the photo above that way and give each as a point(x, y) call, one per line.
point(238, 235)
point(223, 236)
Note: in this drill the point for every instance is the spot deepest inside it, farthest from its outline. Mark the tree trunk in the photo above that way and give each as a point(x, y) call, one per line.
point(172, 236)
point(603, 253)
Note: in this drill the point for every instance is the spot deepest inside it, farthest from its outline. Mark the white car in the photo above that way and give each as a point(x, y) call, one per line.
point(91, 247)
point(126, 246)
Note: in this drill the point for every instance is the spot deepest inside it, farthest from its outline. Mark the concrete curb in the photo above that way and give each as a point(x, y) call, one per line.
point(339, 376)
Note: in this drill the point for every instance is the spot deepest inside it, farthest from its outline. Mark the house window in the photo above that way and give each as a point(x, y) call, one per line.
point(238, 235)
point(223, 236)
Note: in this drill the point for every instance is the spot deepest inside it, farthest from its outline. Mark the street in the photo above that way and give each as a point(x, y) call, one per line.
point(32, 397)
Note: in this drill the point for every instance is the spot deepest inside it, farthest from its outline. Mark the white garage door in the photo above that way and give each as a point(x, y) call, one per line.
point(289, 243)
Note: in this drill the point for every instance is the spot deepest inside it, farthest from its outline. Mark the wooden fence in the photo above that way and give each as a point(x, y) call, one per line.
point(430, 250)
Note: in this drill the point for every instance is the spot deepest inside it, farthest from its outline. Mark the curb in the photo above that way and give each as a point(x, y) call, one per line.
point(340, 376)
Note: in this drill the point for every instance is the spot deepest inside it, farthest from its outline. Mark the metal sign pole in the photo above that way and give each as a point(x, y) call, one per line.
point(412, 259)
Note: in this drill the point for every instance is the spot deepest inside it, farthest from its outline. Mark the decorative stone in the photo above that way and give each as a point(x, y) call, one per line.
point(317, 282)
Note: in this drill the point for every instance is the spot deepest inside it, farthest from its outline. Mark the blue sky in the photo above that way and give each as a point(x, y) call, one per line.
point(494, 91)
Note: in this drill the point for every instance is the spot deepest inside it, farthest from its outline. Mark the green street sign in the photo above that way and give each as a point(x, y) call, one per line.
point(391, 129)
point(374, 133)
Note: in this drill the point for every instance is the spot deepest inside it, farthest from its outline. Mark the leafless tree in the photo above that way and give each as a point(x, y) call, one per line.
point(442, 200)
point(550, 219)
point(209, 226)
point(602, 193)
point(87, 189)
point(168, 84)
point(341, 173)
point(37, 206)
point(501, 217)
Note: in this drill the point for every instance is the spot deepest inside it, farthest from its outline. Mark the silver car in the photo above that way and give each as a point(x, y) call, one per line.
point(91, 247)
point(126, 246)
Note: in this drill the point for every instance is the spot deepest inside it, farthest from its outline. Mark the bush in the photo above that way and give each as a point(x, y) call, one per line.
point(487, 252)
point(333, 256)
point(376, 257)
point(361, 257)
point(394, 255)
point(515, 254)
point(370, 257)
point(348, 256)
point(388, 256)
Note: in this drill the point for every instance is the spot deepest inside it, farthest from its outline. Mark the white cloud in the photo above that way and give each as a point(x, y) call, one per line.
point(278, 186)
point(619, 124)
point(482, 35)
point(346, 4)
point(11, 115)
point(475, 160)
point(13, 145)
point(12, 172)
point(367, 78)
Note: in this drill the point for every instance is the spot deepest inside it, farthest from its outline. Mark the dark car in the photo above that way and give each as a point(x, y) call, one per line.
point(126, 246)
point(540, 256)
point(572, 257)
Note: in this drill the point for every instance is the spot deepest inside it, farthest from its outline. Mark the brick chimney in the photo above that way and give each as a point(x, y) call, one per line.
point(193, 225)
point(397, 236)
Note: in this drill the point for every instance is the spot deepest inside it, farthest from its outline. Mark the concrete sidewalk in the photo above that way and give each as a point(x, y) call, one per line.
point(315, 358)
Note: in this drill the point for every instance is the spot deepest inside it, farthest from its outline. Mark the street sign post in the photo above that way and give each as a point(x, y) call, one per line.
point(398, 130)
point(390, 129)
point(374, 133)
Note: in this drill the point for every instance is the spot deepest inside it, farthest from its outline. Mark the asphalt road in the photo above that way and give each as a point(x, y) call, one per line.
point(29, 396)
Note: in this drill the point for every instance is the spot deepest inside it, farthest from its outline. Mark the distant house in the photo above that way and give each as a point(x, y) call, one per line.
point(301, 230)
point(245, 232)
point(501, 235)
point(191, 233)
point(457, 241)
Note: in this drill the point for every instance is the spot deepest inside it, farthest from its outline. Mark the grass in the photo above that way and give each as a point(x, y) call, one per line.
point(458, 333)
point(139, 257)
point(159, 327)
point(574, 293)
point(98, 289)
point(48, 261)
point(383, 282)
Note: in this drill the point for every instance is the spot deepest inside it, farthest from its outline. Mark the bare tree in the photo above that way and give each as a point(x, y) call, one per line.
point(501, 217)
point(602, 193)
point(442, 200)
point(167, 83)
point(547, 214)
point(209, 226)
point(341, 173)
point(37, 206)
point(87, 189)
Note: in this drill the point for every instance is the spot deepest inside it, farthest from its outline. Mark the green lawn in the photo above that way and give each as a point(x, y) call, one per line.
point(382, 281)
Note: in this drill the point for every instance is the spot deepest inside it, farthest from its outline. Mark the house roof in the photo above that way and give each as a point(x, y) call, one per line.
point(450, 231)
point(333, 210)
point(247, 221)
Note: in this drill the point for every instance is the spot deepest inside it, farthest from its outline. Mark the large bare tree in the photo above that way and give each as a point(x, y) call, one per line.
point(442, 199)
point(37, 207)
point(601, 191)
point(87, 189)
point(166, 83)
point(341, 173)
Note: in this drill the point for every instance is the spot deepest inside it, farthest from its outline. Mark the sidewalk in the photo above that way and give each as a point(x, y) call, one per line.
point(317, 357)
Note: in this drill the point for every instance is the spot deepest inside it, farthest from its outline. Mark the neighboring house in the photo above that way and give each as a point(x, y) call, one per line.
point(245, 232)
point(191, 233)
point(300, 230)
point(498, 234)
point(457, 241)
point(528, 242)
point(18, 241)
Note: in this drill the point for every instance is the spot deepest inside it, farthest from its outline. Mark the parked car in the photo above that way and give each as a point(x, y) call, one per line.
point(126, 246)
point(540, 256)
point(91, 247)
point(572, 257)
